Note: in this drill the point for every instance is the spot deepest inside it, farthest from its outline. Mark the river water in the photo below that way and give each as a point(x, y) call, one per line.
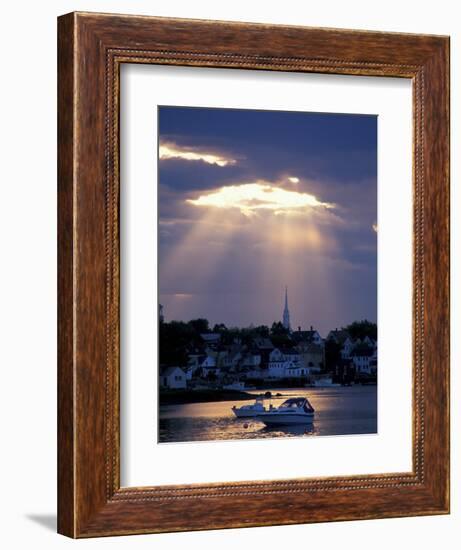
point(338, 411)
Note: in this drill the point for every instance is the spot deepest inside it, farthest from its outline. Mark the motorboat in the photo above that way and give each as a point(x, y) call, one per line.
point(250, 411)
point(296, 410)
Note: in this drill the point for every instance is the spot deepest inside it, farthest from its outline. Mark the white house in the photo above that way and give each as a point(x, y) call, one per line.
point(287, 369)
point(277, 355)
point(277, 364)
point(369, 341)
point(286, 364)
point(232, 359)
point(363, 359)
point(373, 365)
point(278, 369)
point(338, 336)
point(296, 371)
point(315, 338)
point(347, 348)
point(251, 360)
point(173, 378)
point(292, 355)
point(209, 365)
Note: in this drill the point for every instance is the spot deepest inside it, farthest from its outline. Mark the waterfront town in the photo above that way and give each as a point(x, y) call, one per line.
point(195, 357)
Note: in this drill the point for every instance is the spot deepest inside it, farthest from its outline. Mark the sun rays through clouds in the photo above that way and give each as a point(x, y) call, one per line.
point(252, 201)
point(251, 197)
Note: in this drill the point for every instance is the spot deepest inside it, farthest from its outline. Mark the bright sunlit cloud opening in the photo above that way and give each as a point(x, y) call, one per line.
point(250, 197)
point(172, 151)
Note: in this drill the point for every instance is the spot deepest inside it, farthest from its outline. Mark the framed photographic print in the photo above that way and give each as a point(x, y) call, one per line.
point(253, 275)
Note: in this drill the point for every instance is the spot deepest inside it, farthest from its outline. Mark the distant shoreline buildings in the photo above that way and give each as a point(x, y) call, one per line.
point(257, 356)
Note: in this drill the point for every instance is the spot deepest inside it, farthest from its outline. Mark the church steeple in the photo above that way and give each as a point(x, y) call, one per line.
point(286, 312)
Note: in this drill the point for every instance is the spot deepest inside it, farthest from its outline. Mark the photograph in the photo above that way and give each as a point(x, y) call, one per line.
point(267, 274)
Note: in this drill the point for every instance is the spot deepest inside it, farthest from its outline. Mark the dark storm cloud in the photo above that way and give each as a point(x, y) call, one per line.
point(182, 175)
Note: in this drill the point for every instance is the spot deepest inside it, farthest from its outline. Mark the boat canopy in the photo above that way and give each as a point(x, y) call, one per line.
point(294, 402)
point(297, 403)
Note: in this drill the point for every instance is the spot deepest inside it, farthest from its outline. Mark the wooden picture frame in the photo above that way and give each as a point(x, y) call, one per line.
point(91, 49)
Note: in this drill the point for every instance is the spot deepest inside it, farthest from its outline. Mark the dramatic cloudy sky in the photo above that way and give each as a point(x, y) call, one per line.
point(251, 201)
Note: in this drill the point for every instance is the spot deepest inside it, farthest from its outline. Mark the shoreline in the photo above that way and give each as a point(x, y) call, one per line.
point(183, 397)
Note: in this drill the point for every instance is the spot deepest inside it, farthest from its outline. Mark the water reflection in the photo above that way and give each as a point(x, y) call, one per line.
point(296, 430)
point(338, 411)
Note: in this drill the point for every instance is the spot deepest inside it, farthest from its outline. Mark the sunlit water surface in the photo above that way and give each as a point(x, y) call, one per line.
point(338, 411)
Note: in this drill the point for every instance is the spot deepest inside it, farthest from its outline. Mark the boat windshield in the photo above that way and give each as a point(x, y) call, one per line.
point(293, 403)
point(297, 403)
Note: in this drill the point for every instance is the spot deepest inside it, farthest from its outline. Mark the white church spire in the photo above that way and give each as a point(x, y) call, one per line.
point(286, 312)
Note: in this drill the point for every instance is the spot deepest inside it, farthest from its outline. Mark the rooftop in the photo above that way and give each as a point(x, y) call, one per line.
point(340, 335)
point(168, 371)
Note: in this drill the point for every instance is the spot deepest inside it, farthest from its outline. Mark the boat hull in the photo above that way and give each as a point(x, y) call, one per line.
point(277, 419)
point(239, 413)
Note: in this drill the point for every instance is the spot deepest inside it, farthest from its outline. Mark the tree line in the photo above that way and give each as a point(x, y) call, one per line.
point(178, 338)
